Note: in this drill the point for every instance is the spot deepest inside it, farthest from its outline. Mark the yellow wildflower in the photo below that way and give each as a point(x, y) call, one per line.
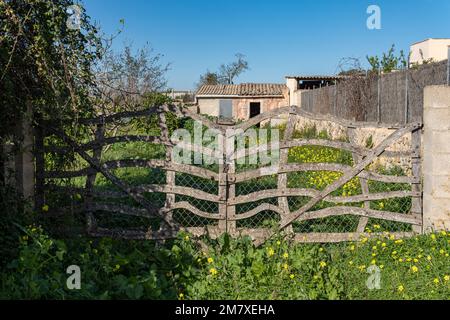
point(181, 296)
point(401, 288)
point(286, 255)
point(446, 278)
point(213, 271)
point(292, 276)
point(414, 269)
point(436, 281)
point(271, 252)
point(210, 260)
point(45, 208)
point(323, 264)
point(186, 238)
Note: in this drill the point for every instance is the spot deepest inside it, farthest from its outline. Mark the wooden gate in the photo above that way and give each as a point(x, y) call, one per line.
point(210, 200)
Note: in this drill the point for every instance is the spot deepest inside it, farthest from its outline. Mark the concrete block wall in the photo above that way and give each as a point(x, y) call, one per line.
point(436, 158)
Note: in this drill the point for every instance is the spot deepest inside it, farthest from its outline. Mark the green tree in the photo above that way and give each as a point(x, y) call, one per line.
point(389, 61)
point(44, 60)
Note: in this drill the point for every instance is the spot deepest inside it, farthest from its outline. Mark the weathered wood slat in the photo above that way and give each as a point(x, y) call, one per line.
point(344, 237)
point(107, 141)
point(82, 191)
point(103, 170)
point(189, 207)
point(261, 208)
point(341, 146)
point(357, 158)
point(260, 118)
point(170, 175)
point(184, 113)
point(91, 222)
point(311, 193)
point(184, 191)
point(258, 234)
point(120, 116)
point(348, 175)
point(357, 211)
point(68, 174)
point(163, 234)
point(164, 165)
point(274, 193)
point(120, 209)
point(283, 202)
point(304, 167)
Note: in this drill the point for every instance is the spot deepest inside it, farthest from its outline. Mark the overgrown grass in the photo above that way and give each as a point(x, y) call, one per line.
point(416, 268)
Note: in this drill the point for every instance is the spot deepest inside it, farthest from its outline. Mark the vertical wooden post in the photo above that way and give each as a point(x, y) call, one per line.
point(223, 193)
point(90, 181)
point(417, 202)
point(24, 159)
point(364, 184)
point(283, 202)
point(170, 175)
point(39, 192)
point(231, 185)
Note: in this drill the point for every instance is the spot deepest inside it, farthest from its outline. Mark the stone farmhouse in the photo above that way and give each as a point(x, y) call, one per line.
point(241, 101)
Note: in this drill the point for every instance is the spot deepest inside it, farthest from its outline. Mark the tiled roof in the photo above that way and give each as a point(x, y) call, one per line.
point(316, 78)
point(244, 89)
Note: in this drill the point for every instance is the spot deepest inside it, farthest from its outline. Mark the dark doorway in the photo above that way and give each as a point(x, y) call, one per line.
point(255, 109)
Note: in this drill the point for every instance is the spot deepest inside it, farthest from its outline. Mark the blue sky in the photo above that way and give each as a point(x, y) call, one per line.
point(279, 38)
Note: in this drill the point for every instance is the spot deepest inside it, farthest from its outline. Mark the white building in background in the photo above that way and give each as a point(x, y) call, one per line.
point(436, 49)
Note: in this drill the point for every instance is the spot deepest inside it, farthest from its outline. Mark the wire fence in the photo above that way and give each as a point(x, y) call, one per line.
point(320, 189)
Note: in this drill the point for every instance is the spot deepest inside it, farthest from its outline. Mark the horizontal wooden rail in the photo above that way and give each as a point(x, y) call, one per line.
point(356, 211)
point(317, 167)
point(184, 191)
point(153, 164)
point(107, 141)
point(291, 192)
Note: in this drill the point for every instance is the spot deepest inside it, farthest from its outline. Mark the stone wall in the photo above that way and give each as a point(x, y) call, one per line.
point(436, 158)
point(364, 137)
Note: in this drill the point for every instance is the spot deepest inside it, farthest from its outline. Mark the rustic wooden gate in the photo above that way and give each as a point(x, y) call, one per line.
point(222, 199)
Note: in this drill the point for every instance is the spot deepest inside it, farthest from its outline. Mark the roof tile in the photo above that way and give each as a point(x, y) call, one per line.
point(244, 89)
